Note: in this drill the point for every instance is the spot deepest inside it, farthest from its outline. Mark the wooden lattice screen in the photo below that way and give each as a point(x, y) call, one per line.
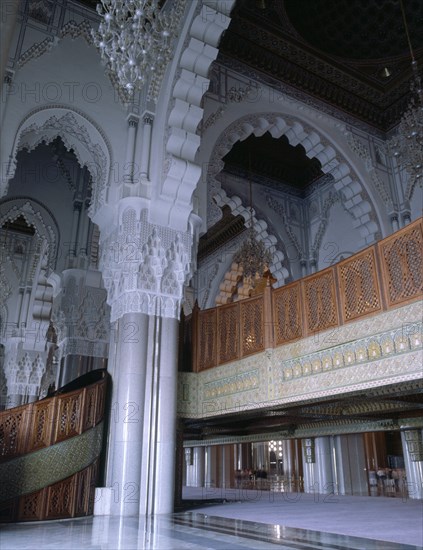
point(380, 277)
point(287, 313)
point(228, 333)
point(320, 301)
point(401, 256)
point(206, 349)
point(358, 285)
point(252, 326)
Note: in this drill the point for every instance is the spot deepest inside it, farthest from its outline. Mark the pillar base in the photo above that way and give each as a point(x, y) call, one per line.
point(102, 501)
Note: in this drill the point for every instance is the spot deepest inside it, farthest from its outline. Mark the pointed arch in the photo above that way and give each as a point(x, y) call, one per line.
point(79, 133)
point(315, 145)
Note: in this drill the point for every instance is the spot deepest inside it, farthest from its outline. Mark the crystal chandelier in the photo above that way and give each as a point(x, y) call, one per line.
point(135, 38)
point(407, 144)
point(253, 256)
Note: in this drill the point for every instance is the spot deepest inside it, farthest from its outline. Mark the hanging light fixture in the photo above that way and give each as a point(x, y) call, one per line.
point(407, 144)
point(253, 256)
point(135, 38)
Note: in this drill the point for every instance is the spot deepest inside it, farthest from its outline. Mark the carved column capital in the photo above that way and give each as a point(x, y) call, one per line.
point(133, 120)
point(148, 118)
point(145, 266)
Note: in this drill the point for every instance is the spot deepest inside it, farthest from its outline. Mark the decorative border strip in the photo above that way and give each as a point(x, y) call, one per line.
point(325, 429)
point(34, 471)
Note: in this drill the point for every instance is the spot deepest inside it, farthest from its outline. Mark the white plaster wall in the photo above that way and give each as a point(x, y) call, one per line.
point(70, 76)
point(340, 238)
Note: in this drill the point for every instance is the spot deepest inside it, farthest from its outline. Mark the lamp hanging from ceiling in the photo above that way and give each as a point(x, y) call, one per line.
point(253, 256)
point(135, 38)
point(407, 143)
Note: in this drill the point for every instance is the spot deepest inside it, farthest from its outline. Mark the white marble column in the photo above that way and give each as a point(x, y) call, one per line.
point(126, 419)
point(209, 479)
point(196, 470)
point(166, 418)
point(146, 145)
point(350, 465)
point(318, 475)
point(412, 445)
point(145, 289)
point(130, 148)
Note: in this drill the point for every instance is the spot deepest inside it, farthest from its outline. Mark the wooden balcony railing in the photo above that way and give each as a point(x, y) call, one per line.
point(386, 275)
point(43, 441)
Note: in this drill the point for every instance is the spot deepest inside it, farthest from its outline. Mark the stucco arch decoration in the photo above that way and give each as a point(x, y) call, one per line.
point(40, 218)
point(79, 133)
point(183, 174)
point(333, 162)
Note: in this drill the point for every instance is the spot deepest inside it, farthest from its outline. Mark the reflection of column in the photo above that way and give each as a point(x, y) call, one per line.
point(303, 265)
point(412, 446)
point(146, 145)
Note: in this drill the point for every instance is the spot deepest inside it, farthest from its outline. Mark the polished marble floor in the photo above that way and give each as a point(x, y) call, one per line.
point(238, 521)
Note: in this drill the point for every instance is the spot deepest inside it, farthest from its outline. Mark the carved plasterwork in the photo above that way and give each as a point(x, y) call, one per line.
point(81, 318)
point(363, 152)
point(40, 219)
point(278, 207)
point(78, 133)
point(279, 272)
point(333, 163)
point(145, 266)
point(338, 427)
point(74, 30)
point(24, 371)
point(182, 173)
point(36, 50)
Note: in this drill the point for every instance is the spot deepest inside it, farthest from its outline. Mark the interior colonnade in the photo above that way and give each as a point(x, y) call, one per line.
point(346, 464)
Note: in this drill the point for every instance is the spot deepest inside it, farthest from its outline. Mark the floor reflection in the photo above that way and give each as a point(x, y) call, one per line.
point(188, 530)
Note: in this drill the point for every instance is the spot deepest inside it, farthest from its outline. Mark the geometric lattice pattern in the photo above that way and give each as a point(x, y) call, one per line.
point(41, 418)
point(287, 313)
point(71, 497)
point(359, 289)
point(320, 301)
point(228, 332)
point(11, 426)
point(402, 265)
point(252, 325)
point(381, 276)
point(49, 465)
point(206, 353)
point(70, 415)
